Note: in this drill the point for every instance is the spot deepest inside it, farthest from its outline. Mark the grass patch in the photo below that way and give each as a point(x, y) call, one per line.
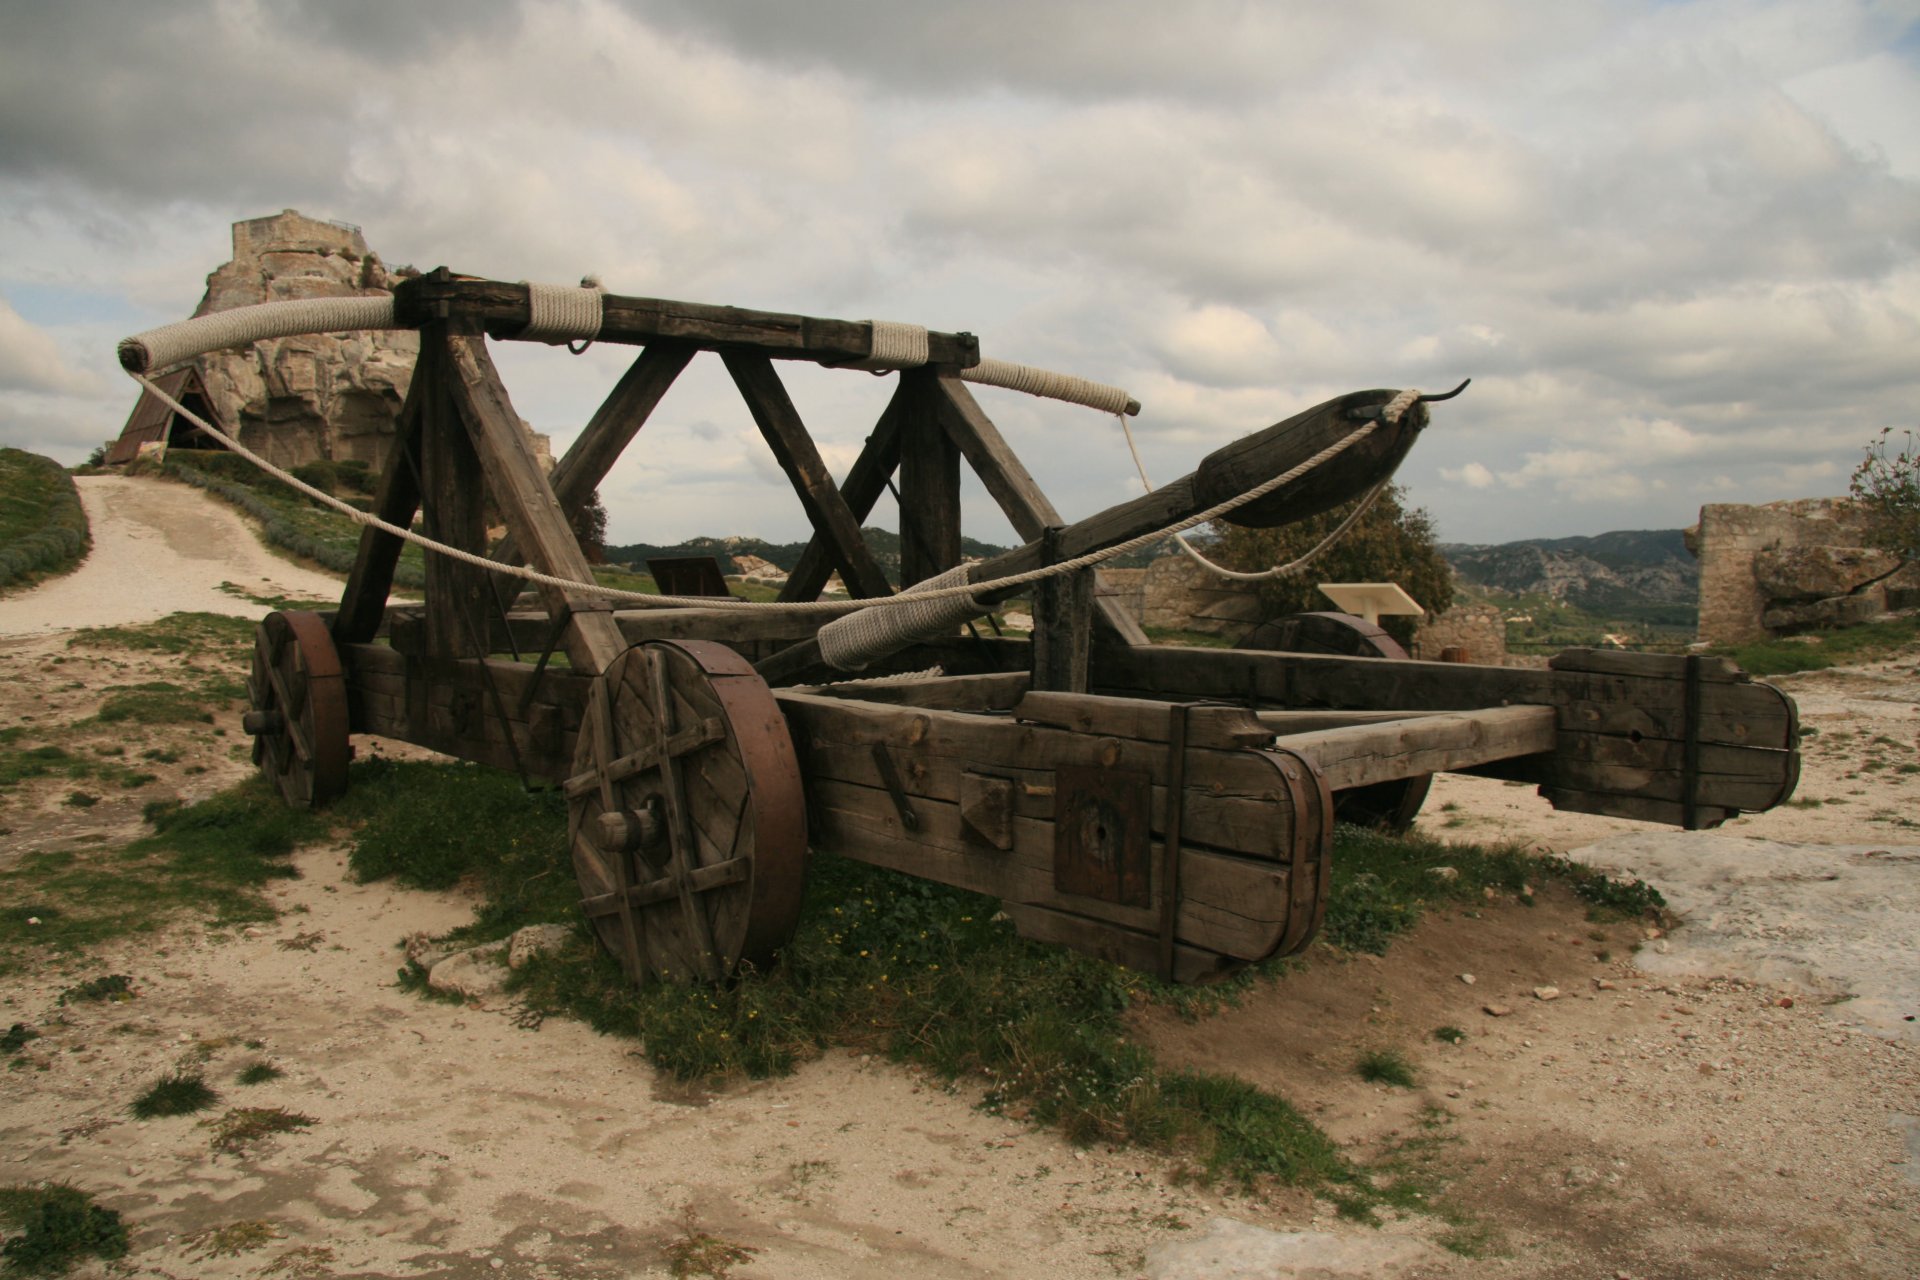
point(241, 1127)
point(179, 1093)
point(1868, 642)
point(16, 1038)
point(154, 702)
point(259, 1073)
point(1385, 1066)
point(1449, 1035)
point(43, 529)
point(212, 859)
point(695, 1252)
point(57, 1225)
point(114, 987)
point(233, 1239)
point(177, 633)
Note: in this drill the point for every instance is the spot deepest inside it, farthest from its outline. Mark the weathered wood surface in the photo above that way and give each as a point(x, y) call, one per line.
point(794, 450)
point(1621, 733)
point(1361, 755)
point(459, 599)
point(993, 691)
point(503, 310)
point(929, 484)
point(1238, 841)
point(443, 704)
point(528, 505)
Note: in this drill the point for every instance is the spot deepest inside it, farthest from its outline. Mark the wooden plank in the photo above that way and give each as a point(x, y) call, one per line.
point(503, 310)
point(1013, 488)
point(1229, 905)
point(1663, 666)
point(528, 504)
point(1640, 808)
point(794, 450)
point(993, 691)
point(458, 602)
point(1229, 728)
point(1733, 714)
point(363, 603)
point(1361, 755)
point(1285, 722)
point(726, 624)
point(929, 484)
point(1131, 948)
point(1062, 630)
point(866, 480)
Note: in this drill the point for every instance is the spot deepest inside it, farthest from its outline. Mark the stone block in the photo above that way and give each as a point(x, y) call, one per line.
point(1788, 574)
point(1835, 611)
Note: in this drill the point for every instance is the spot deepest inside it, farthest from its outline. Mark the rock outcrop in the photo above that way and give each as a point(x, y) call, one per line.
point(1792, 566)
point(331, 396)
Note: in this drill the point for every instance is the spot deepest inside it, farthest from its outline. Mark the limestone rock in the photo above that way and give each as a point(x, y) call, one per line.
point(1229, 1250)
point(324, 396)
point(475, 974)
point(1788, 574)
point(536, 940)
point(1836, 611)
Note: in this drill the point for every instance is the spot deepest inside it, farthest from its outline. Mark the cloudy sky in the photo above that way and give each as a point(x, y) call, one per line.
point(1674, 244)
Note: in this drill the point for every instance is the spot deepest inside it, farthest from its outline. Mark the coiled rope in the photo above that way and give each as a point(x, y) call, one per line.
point(823, 607)
point(904, 346)
point(1391, 412)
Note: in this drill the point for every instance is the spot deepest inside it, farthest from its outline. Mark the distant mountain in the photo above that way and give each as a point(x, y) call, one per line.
point(1624, 573)
point(884, 544)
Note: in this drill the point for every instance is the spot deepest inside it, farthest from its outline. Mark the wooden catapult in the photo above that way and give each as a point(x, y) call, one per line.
point(1164, 807)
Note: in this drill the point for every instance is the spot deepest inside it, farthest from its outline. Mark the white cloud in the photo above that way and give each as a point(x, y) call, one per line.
point(1473, 475)
point(30, 360)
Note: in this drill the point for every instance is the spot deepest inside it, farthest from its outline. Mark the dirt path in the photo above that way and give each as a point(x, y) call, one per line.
point(158, 549)
point(1639, 1125)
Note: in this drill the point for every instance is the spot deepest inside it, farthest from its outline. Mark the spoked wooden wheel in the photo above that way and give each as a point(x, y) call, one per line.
point(298, 716)
point(685, 813)
point(1386, 806)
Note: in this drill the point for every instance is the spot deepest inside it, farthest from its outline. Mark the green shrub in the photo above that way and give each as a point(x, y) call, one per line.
point(58, 1226)
point(43, 528)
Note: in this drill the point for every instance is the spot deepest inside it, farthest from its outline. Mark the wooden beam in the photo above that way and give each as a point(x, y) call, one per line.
point(364, 602)
point(453, 499)
point(794, 450)
point(866, 481)
point(1361, 755)
point(503, 310)
point(1013, 488)
point(929, 484)
point(532, 513)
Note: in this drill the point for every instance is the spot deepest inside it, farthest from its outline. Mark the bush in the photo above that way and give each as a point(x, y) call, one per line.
point(1390, 543)
point(1888, 488)
point(43, 528)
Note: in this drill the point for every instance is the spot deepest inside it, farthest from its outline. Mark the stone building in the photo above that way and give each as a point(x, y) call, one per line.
point(1782, 567)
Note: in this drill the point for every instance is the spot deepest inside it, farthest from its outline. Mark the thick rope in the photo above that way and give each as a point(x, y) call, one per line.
point(850, 643)
point(562, 313)
point(828, 607)
point(1391, 412)
point(895, 346)
point(172, 343)
point(1054, 386)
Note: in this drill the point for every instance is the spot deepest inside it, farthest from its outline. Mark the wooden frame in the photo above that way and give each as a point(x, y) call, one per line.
point(1199, 785)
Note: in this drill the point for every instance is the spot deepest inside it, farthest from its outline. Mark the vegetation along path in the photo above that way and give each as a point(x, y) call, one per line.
point(215, 1030)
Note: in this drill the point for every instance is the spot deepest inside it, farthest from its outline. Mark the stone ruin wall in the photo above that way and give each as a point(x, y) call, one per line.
point(1783, 567)
point(328, 396)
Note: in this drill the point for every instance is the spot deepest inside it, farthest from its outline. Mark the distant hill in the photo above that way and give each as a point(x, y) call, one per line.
point(1630, 573)
point(884, 544)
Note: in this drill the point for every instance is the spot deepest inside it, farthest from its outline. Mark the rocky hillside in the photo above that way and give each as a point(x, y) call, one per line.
point(1605, 574)
point(884, 543)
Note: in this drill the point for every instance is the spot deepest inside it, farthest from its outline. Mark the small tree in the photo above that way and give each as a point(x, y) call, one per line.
point(590, 527)
point(1886, 484)
point(1390, 543)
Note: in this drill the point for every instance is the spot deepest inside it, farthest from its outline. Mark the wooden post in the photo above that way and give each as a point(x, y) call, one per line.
point(794, 450)
point(453, 485)
point(929, 483)
point(371, 581)
point(531, 511)
point(1062, 625)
